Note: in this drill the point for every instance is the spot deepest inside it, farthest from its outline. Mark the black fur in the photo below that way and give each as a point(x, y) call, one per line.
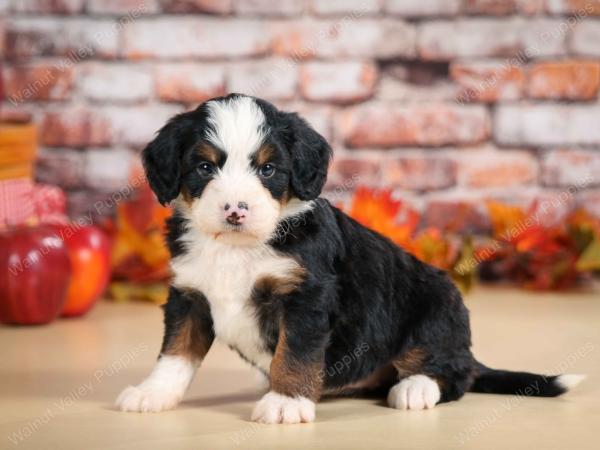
point(364, 301)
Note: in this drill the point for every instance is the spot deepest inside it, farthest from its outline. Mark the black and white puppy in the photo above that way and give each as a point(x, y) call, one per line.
point(320, 304)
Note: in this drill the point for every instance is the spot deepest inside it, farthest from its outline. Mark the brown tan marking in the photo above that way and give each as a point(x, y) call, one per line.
point(410, 362)
point(382, 377)
point(291, 378)
point(208, 153)
point(264, 155)
point(281, 285)
point(189, 342)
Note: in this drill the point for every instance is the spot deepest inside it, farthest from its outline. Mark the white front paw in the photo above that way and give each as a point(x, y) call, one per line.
point(414, 392)
point(148, 398)
point(278, 408)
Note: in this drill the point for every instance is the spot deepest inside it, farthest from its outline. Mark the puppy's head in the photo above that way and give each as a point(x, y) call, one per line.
point(237, 166)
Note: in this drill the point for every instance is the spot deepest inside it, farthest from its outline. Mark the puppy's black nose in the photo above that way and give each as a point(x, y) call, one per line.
point(234, 219)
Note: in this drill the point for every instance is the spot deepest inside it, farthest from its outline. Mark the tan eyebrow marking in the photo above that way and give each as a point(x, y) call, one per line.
point(209, 153)
point(264, 155)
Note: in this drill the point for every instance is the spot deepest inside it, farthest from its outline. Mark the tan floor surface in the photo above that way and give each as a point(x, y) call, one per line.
point(57, 384)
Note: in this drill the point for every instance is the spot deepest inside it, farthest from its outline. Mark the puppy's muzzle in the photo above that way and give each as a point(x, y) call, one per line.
point(235, 214)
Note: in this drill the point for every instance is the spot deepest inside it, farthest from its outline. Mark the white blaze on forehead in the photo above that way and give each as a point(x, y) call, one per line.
point(238, 129)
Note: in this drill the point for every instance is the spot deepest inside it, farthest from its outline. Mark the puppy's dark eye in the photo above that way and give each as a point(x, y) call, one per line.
point(267, 170)
point(205, 169)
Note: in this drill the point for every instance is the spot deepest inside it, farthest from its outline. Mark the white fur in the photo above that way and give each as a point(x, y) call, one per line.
point(415, 392)
point(239, 127)
point(569, 381)
point(163, 389)
point(278, 408)
point(226, 275)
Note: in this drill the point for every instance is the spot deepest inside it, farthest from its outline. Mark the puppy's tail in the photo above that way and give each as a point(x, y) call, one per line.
point(491, 381)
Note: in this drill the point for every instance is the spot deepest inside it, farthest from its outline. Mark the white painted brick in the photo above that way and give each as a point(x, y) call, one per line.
point(115, 82)
point(420, 8)
point(136, 125)
point(107, 169)
point(340, 7)
point(273, 78)
point(547, 125)
point(184, 37)
point(586, 39)
point(74, 38)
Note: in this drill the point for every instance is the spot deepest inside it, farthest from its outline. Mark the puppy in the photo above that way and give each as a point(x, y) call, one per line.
point(320, 304)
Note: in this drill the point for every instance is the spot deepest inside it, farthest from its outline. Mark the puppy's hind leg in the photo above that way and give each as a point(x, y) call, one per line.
point(188, 336)
point(423, 382)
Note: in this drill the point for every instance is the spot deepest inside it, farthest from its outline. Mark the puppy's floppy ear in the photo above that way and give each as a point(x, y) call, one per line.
point(162, 159)
point(310, 154)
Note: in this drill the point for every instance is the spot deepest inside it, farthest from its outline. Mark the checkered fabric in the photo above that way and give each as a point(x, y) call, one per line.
point(16, 202)
point(23, 202)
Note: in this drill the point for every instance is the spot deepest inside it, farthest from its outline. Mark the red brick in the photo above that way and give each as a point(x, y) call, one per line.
point(2, 37)
point(490, 7)
point(48, 6)
point(391, 88)
point(357, 168)
point(346, 37)
point(42, 81)
point(570, 80)
point(22, 113)
point(531, 7)
point(76, 39)
point(186, 37)
point(585, 38)
point(483, 37)
point(103, 82)
point(285, 8)
point(189, 82)
point(270, 78)
point(571, 167)
point(391, 125)
point(486, 168)
point(579, 8)
point(80, 205)
point(418, 172)
point(74, 127)
point(457, 211)
point(63, 167)
point(356, 8)
point(420, 8)
point(547, 125)
point(338, 82)
point(198, 6)
point(487, 81)
point(126, 8)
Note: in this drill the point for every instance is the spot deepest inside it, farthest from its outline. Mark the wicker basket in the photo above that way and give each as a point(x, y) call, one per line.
point(18, 149)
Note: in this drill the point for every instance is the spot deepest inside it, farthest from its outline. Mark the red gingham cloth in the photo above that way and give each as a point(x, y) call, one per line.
point(16, 202)
point(22, 201)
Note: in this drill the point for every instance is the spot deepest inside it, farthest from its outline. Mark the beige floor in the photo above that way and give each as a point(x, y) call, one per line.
point(57, 384)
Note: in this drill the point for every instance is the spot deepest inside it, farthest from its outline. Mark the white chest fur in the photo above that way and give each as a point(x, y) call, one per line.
point(226, 275)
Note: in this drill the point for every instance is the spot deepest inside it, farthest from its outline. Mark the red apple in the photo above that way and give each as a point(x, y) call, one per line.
point(89, 251)
point(34, 275)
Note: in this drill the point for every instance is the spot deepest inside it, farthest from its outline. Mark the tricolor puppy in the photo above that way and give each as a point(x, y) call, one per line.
point(320, 304)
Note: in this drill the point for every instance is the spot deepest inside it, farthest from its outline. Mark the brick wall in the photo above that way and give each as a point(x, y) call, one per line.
point(448, 102)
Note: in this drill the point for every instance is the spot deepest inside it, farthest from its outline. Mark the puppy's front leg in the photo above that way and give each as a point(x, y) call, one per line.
point(296, 376)
point(188, 336)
